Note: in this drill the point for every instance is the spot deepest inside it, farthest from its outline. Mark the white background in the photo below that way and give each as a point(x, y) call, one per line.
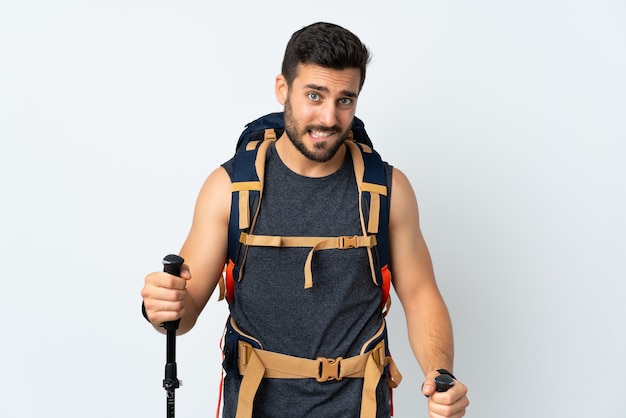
point(508, 117)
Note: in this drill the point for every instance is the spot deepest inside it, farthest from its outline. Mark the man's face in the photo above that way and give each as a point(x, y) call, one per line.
point(319, 109)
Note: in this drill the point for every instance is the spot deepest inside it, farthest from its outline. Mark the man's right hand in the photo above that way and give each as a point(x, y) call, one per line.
point(164, 296)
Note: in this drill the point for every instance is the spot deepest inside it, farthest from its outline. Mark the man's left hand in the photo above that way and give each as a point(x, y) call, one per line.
point(449, 404)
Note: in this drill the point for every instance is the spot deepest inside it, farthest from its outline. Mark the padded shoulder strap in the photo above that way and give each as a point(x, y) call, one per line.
point(247, 190)
point(374, 206)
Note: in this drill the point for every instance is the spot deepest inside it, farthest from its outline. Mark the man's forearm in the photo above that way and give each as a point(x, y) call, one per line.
point(430, 335)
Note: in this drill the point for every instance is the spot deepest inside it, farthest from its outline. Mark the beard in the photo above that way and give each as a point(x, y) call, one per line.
point(322, 151)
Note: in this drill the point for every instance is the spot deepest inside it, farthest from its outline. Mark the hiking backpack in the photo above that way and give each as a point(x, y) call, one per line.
point(241, 350)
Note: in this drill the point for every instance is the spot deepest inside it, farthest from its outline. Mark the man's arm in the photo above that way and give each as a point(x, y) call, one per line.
point(428, 321)
point(167, 297)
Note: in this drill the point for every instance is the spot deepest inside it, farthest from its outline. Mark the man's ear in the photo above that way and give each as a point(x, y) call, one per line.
point(281, 89)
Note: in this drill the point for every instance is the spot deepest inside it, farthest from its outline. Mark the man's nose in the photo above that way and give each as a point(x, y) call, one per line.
point(328, 115)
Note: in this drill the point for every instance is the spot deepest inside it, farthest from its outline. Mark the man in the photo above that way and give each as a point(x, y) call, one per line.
point(310, 190)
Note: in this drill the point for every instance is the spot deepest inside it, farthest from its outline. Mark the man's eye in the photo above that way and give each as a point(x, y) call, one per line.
point(345, 101)
point(314, 96)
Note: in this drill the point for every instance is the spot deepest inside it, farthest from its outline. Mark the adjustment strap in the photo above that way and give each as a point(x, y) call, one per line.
point(255, 364)
point(375, 190)
point(332, 243)
point(316, 244)
point(282, 366)
point(244, 188)
point(249, 386)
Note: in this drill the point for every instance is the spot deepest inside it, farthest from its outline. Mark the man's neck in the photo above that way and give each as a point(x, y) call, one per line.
point(300, 164)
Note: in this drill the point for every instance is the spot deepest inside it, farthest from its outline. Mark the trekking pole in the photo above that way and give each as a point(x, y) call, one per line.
point(171, 264)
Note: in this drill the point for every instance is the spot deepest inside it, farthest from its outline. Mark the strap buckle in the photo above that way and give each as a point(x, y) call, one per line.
point(329, 369)
point(348, 242)
point(378, 353)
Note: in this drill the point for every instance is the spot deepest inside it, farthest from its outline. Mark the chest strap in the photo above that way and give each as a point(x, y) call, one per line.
point(255, 364)
point(316, 244)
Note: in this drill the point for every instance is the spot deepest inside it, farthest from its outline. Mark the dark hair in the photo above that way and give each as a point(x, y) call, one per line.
point(327, 45)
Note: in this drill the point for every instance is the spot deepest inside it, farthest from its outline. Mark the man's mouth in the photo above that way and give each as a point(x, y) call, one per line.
point(321, 134)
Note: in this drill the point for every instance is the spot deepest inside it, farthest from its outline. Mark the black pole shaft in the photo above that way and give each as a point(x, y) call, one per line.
point(171, 264)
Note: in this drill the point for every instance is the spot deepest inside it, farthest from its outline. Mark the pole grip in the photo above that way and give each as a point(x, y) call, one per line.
point(443, 382)
point(172, 264)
